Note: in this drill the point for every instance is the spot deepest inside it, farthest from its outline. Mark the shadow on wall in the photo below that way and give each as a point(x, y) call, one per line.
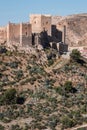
point(41, 38)
point(56, 34)
point(44, 39)
point(33, 39)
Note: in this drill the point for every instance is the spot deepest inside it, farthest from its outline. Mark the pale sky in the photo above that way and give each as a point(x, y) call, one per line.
point(19, 10)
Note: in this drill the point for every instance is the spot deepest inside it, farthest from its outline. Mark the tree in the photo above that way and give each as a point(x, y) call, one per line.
point(75, 55)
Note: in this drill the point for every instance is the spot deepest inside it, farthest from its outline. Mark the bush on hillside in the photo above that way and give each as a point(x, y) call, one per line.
point(9, 96)
point(75, 55)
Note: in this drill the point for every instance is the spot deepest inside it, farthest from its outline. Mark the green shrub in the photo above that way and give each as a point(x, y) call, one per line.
point(50, 62)
point(13, 64)
point(36, 70)
point(8, 53)
point(68, 87)
point(6, 120)
point(59, 90)
point(19, 74)
point(2, 127)
point(67, 122)
point(15, 127)
point(75, 55)
point(9, 96)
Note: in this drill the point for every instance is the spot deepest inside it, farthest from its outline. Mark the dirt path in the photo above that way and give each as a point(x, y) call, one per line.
point(58, 64)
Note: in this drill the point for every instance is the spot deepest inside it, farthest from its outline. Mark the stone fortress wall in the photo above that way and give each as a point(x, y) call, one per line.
point(26, 34)
point(13, 32)
point(19, 33)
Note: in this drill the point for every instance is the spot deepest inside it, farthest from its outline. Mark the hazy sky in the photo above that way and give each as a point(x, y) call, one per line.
point(19, 10)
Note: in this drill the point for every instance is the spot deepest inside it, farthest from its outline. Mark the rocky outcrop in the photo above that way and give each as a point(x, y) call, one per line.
point(76, 28)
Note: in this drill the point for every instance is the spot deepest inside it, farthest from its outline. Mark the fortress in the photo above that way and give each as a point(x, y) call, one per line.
point(22, 32)
point(38, 31)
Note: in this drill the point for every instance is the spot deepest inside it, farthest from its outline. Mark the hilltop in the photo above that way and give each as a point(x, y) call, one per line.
point(39, 88)
point(47, 29)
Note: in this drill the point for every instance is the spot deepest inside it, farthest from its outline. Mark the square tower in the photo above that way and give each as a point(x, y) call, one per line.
point(40, 23)
point(19, 34)
point(25, 34)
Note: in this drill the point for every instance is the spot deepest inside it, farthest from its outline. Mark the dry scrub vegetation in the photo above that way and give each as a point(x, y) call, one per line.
point(32, 98)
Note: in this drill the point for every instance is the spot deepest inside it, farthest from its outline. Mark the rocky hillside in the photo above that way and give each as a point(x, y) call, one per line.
point(76, 28)
point(38, 94)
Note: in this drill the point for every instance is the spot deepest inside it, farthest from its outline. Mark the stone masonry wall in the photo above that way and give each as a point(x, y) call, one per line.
point(19, 33)
point(40, 23)
point(25, 34)
point(13, 32)
point(46, 23)
point(35, 21)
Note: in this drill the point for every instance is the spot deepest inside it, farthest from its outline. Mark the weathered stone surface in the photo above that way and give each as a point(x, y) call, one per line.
point(76, 33)
point(40, 23)
point(22, 34)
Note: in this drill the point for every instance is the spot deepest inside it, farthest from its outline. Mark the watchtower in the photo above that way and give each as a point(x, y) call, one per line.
point(40, 23)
